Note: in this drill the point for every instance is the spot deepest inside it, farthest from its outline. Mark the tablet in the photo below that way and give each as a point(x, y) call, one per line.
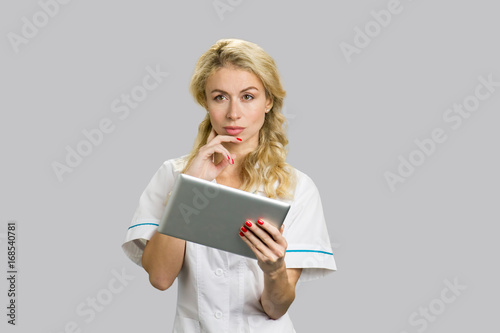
point(212, 214)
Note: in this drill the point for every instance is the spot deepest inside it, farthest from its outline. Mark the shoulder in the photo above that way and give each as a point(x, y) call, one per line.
point(301, 176)
point(178, 163)
point(168, 172)
point(175, 165)
point(304, 184)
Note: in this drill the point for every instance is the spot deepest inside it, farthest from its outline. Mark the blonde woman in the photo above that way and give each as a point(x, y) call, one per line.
point(241, 143)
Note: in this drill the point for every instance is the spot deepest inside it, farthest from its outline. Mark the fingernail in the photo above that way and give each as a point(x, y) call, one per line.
point(244, 229)
point(248, 223)
point(241, 234)
point(239, 139)
point(228, 158)
point(232, 160)
point(260, 222)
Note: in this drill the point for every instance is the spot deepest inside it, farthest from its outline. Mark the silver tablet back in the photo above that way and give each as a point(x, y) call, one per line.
point(211, 214)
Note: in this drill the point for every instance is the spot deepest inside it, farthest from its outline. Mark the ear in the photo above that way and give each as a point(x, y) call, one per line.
point(269, 104)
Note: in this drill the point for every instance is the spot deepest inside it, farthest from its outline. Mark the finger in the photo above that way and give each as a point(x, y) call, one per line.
point(251, 245)
point(276, 246)
point(223, 138)
point(271, 230)
point(211, 136)
point(218, 140)
point(208, 150)
point(226, 156)
point(257, 249)
point(260, 249)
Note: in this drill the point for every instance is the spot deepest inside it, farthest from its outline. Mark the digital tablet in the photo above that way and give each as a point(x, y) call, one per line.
point(212, 214)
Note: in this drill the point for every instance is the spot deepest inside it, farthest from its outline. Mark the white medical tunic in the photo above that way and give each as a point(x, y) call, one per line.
point(219, 291)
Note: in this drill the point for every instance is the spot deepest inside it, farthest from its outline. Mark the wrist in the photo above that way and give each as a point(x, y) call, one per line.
point(277, 274)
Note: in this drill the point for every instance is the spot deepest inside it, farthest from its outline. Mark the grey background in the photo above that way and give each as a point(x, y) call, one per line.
point(348, 123)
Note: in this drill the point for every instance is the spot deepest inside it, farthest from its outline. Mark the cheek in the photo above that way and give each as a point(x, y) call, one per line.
point(218, 120)
point(215, 125)
point(215, 117)
point(261, 115)
point(258, 120)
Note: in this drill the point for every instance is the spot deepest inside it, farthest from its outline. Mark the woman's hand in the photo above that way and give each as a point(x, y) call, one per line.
point(203, 166)
point(268, 244)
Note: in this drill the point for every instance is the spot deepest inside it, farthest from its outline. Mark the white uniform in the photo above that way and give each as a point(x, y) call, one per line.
point(220, 291)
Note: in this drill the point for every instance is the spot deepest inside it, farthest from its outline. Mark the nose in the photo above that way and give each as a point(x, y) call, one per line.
point(234, 110)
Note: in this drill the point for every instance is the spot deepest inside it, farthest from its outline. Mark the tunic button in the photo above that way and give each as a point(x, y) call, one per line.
point(218, 314)
point(219, 272)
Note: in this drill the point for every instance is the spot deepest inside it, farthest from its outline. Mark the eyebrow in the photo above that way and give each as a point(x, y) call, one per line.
point(225, 92)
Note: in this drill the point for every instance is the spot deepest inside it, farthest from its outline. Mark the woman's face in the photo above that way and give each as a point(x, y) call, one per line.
point(237, 104)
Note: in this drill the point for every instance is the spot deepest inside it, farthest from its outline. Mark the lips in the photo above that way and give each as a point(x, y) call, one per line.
point(234, 130)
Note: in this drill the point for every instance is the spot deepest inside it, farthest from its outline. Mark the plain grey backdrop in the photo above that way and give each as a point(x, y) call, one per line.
point(365, 81)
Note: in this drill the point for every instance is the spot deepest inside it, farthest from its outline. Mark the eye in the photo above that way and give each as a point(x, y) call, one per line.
point(219, 98)
point(247, 97)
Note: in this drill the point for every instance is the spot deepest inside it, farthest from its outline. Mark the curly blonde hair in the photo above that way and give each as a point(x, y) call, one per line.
point(266, 165)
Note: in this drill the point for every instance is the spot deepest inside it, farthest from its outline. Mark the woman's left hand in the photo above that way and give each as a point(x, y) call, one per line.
point(268, 244)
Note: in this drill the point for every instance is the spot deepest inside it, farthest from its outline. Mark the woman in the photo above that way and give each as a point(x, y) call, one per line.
point(241, 143)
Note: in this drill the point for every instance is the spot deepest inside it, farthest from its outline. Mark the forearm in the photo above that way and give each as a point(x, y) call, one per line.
point(278, 293)
point(163, 258)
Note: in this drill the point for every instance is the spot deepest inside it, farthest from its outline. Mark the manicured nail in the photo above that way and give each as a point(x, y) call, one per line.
point(244, 229)
point(260, 222)
point(248, 223)
point(232, 161)
point(241, 234)
point(239, 139)
point(228, 158)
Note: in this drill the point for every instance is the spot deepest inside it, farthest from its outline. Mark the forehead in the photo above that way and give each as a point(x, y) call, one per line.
point(232, 79)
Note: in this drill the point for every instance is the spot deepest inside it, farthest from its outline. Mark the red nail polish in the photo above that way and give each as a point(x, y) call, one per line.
point(260, 222)
point(239, 139)
point(244, 229)
point(228, 158)
point(241, 234)
point(232, 160)
point(248, 223)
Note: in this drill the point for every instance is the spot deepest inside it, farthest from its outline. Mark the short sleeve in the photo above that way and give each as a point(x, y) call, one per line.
point(306, 233)
point(148, 213)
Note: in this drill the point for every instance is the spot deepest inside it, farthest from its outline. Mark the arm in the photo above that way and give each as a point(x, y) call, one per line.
point(163, 258)
point(269, 245)
point(279, 291)
point(164, 255)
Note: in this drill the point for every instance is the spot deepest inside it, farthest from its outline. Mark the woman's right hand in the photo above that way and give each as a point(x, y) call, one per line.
point(202, 165)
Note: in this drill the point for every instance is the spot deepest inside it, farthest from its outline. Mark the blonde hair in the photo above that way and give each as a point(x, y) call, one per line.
point(266, 165)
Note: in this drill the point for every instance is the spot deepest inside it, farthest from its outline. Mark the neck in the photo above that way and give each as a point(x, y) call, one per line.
point(231, 175)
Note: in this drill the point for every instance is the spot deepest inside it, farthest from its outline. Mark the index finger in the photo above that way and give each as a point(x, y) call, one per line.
point(217, 138)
